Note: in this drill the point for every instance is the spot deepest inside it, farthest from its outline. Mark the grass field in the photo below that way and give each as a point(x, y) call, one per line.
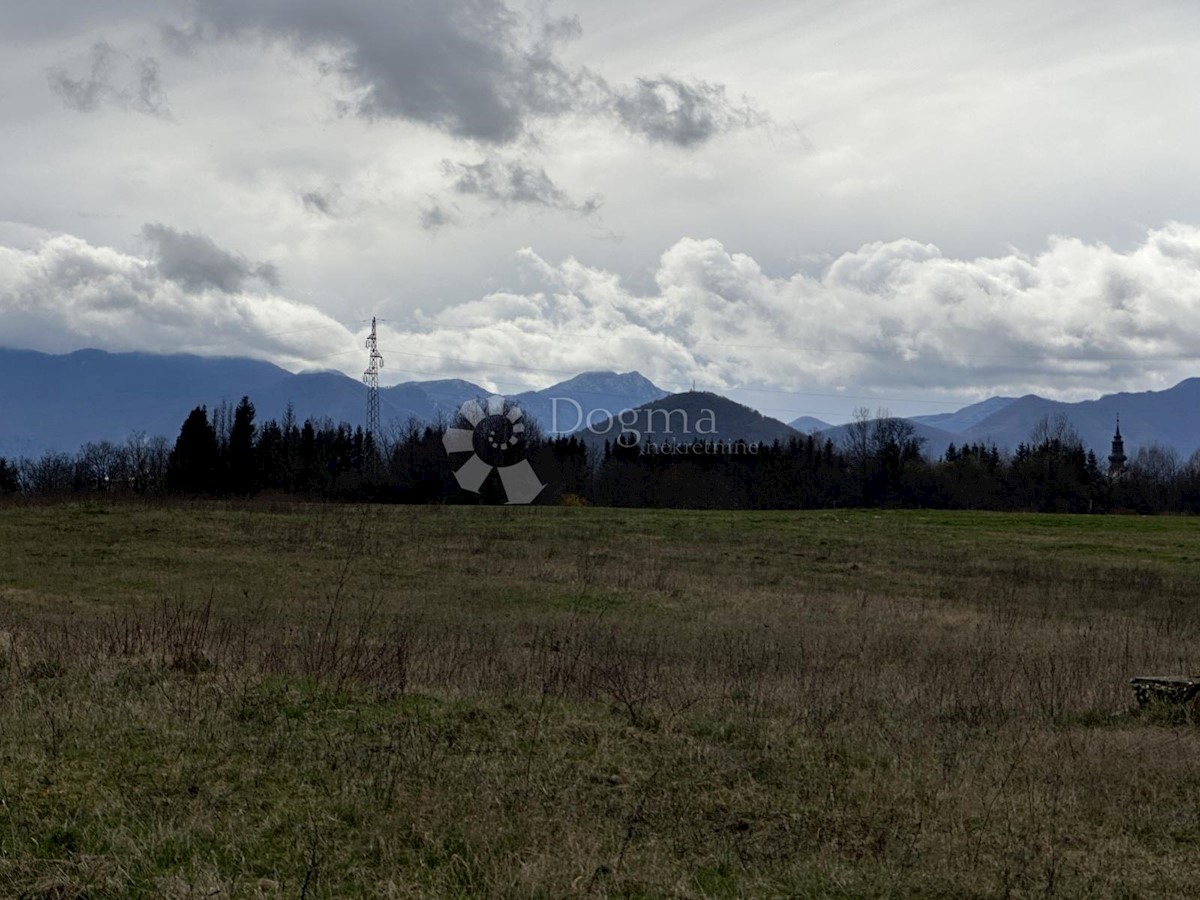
point(318, 701)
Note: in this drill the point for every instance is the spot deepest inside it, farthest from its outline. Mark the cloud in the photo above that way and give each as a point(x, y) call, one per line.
point(29, 23)
point(435, 217)
point(468, 67)
point(195, 263)
point(113, 77)
point(318, 202)
point(472, 68)
point(65, 294)
point(510, 183)
point(1073, 321)
point(668, 111)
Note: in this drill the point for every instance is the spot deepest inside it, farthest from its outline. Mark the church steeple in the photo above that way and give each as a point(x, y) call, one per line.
point(1117, 459)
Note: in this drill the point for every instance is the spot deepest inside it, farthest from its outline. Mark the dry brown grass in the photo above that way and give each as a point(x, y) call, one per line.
point(330, 702)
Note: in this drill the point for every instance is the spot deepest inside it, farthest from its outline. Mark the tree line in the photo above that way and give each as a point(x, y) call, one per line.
point(225, 452)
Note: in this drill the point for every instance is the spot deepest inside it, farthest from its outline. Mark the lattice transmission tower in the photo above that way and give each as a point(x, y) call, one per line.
point(371, 380)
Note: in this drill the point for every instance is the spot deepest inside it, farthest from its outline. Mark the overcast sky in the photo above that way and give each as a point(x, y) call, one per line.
point(811, 206)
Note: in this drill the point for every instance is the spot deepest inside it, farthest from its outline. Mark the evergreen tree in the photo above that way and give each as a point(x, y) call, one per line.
point(242, 465)
point(309, 475)
point(270, 454)
point(192, 467)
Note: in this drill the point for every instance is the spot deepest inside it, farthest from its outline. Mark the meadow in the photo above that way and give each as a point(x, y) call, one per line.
point(222, 700)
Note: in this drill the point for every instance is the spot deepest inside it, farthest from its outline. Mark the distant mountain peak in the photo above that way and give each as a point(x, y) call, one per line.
point(689, 416)
point(961, 420)
point(589, 396)
point(809, 424)
point(442, 382)
point(614, 382)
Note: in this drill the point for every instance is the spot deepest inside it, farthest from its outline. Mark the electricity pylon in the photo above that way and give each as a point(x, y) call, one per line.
point(371, 380)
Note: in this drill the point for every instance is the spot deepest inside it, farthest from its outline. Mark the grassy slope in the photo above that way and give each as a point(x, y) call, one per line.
point(326, 701)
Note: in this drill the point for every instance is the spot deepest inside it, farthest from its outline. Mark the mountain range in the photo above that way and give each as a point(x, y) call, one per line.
point(1170, 417)
point(52, 402)
point(58, 402)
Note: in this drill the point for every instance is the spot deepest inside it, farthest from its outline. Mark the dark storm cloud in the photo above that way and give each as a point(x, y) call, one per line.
point(508, 183)
point(195, 263)
point(670, 111)
point(181, 39)
point(150, 97)
point(317, 202)
point(28, 22)
point(435, 217)
point(464, 66)
point(84, 94)
point(472, 68)
point(112, 77)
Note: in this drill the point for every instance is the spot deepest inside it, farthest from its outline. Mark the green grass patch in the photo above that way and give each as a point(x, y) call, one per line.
point(224, 700)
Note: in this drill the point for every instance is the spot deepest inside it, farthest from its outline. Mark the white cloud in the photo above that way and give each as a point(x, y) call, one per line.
point(64, 294)
point(1075, 320)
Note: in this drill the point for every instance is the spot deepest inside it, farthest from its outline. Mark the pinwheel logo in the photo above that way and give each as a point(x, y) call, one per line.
point(495, 440)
